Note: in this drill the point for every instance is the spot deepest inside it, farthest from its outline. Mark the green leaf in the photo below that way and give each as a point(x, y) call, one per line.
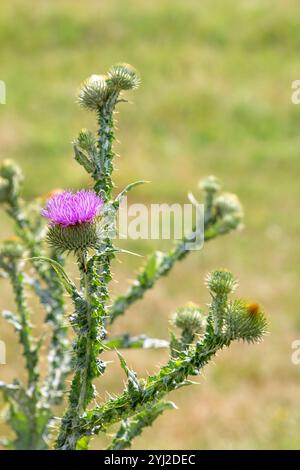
point(81, 156)
point(133, 382)
point(153, 263)
point(83, 443)
point(123, 193)
point(61, 273)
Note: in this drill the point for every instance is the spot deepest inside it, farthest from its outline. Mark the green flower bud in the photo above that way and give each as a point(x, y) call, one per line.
point(221, 282)
point(228, 203)
point(231, 222)
point(189, 318)
point(93, 92)
point(211, 184)
point(74, 238)
point(9, 170)
point(123, 77)
point(86, 140)
point(246, 322)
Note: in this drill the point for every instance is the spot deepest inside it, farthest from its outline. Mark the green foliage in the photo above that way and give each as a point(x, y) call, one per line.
point(29, 404)
point(139, 394)
point(131, 428)
point(201, 335)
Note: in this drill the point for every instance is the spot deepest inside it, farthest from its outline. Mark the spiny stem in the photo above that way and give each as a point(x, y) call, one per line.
point(55, 306)
point(29, 350)
point(84, 377)
point(88, 323)
point(170, 377)
point(104, 184)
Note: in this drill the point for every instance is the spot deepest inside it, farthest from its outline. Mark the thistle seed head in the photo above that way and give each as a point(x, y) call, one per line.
point(123, 77)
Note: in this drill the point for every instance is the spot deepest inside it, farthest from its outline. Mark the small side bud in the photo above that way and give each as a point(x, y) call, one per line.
point(123, 77)
point(93, 92)
point(221, 282)
point(86, 140)
point(189, 318)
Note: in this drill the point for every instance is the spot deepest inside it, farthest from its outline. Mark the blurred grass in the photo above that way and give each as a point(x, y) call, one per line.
point(215, 99)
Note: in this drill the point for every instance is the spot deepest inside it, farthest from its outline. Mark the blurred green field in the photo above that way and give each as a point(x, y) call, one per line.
point(215, 99)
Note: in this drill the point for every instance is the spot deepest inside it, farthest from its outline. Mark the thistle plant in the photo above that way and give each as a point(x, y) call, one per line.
point(79, 227)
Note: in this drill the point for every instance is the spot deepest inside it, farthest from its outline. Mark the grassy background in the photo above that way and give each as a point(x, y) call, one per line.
point(215, 99)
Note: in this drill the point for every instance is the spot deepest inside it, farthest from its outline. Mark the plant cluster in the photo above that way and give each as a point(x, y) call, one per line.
point(34, 262)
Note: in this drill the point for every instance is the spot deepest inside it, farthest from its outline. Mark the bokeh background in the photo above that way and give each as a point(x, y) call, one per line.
point(215, 99)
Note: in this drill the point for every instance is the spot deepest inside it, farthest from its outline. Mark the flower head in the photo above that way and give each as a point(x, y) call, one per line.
point(67, 208)
point(74, 220)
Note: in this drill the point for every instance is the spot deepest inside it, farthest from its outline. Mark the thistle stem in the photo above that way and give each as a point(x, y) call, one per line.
point(104, 184)
point(84, 376)
point(29, 351)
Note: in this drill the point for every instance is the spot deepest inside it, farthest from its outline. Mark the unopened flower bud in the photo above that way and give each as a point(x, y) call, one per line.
point(93, 92)
point(86, 140)
point(221, 282)
point(211, 184)
point(123, 77)
point(231, 222)
point(228, 203)
point(10, 170)
point(189, 318)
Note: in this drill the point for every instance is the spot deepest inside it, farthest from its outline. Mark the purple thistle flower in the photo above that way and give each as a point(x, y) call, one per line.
point(69, 208)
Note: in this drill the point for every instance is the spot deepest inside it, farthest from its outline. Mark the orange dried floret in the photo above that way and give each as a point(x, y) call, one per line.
point(253, 308)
